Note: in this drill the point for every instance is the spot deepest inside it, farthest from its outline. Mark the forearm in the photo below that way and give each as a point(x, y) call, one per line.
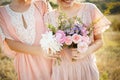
point(24, 48)
point(95, 46)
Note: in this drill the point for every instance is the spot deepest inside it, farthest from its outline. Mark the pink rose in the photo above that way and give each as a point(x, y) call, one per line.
point(60, 36)
point(68, 40)
point(82, 47)
point(76, 38)
point(86, 39)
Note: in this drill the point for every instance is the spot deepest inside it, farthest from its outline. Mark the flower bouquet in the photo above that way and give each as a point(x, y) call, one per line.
point(70, 32)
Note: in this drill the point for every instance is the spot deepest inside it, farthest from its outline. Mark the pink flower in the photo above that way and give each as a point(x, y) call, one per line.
point(76, 38)
point(86, 39)
point(68, 40)
point(60, 36)
point(82, 47)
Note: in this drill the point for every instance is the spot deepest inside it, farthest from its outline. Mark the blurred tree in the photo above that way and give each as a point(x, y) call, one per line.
point(87, 0)
point(4, 2)
point(111, 0)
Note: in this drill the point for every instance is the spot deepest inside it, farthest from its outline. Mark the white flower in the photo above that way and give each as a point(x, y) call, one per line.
point(49, 43)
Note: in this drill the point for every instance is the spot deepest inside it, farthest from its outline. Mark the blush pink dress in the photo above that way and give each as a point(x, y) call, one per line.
point(28, 67)
point(82, 69)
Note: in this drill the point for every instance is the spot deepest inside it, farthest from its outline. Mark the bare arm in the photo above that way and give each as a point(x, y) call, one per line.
point(24, 48)
point(96, 45)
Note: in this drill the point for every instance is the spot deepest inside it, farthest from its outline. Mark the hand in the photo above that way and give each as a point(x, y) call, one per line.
point(56, 57)
point(77, 55)
point(53, 56)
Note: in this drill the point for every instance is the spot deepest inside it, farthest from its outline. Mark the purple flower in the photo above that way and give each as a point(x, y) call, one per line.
point(76, 29)
point(84, 31)
point(67, 31)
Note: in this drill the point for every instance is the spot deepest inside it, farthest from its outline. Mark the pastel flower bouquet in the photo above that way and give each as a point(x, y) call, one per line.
point(70, 32)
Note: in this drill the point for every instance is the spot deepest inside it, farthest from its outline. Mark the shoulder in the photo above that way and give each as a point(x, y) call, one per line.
point(2, 13)
point(41, 5)
point(52, 13)
point(88, 5)
point(2, 10)
point(40, 2)
point(85, 6)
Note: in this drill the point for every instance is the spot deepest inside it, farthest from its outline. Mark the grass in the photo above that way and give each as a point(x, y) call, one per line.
point(7, 71)
point(108, 57)
point(115, 26)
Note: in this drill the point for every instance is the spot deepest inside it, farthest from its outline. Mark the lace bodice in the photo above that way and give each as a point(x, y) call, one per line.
point(26, 35)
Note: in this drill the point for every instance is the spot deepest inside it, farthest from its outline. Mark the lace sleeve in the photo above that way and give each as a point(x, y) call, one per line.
point(101, 23)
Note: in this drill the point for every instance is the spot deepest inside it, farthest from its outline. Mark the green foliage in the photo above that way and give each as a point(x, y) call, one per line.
point(112, 0)
point(109, 7)
point(113, 8)
point(52, 28)
point(54, 5)
point(4, 2)
point(116, 8)
point(115, 26)
point(104, 76)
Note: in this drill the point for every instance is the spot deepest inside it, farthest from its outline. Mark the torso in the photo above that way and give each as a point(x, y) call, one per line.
point(27, 35)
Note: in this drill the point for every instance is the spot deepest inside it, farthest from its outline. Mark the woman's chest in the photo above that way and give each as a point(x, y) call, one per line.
point(23, 24)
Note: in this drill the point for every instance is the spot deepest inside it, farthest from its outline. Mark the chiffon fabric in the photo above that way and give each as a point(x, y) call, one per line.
point(28, 67)
point(82, 69)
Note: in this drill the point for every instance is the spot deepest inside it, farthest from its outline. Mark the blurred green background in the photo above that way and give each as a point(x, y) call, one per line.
point(108, 57)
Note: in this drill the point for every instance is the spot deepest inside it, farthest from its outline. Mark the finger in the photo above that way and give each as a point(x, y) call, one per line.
point(54, 56)
point(75, 57)
point(75, 54)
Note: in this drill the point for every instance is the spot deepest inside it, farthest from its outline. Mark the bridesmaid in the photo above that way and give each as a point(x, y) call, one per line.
point(85, 67)
point(21, 26)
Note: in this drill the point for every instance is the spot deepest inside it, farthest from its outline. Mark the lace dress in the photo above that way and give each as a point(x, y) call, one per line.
point(83, 69)
point(12, 24)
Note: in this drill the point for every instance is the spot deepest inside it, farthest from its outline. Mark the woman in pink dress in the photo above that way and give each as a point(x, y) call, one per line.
point(84, 68)
point(21, 26)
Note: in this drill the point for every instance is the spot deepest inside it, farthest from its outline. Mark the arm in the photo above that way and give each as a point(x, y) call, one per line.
point(96, 45)
point(24, 48)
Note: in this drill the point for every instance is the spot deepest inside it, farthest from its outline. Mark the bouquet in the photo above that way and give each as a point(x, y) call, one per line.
point(70, 32)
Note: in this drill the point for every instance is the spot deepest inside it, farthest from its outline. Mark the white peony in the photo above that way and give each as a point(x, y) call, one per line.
point(49, 43)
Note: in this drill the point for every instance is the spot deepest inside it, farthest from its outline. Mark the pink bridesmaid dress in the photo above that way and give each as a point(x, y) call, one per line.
point(28, 67)
point(82, 69)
